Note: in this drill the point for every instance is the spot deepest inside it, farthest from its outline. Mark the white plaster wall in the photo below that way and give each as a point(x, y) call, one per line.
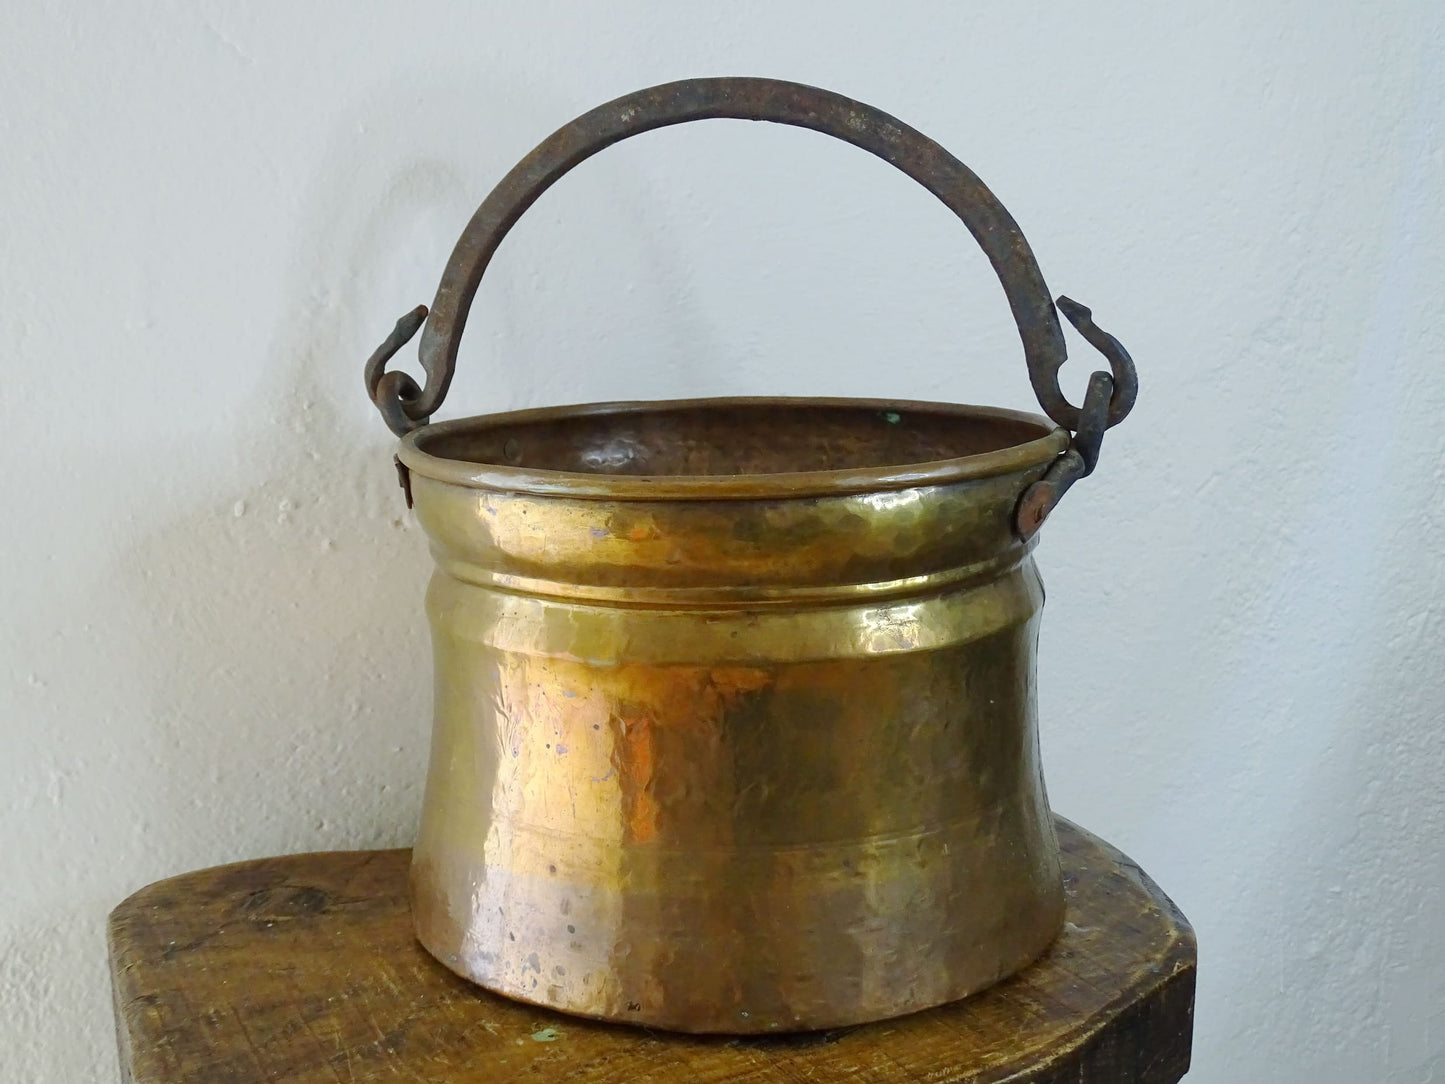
point(212, 644)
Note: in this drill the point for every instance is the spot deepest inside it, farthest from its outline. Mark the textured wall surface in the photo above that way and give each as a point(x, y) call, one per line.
point(212, 643)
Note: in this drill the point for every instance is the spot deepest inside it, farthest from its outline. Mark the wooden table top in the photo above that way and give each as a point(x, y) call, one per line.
point(304, 969)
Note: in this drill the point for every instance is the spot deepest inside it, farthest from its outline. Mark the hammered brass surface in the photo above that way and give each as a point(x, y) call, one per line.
point(734, 721)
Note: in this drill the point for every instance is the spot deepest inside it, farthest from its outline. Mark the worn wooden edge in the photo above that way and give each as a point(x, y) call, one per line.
point(1097, 1048)
point(1096, 1051)
point(118, 997)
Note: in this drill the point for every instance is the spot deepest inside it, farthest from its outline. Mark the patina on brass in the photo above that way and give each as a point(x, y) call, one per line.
point(734, 721)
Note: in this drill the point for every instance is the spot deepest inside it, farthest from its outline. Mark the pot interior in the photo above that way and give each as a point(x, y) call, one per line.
point(714, 438)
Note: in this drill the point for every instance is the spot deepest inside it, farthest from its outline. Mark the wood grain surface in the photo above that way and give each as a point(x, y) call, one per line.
point(304, 969)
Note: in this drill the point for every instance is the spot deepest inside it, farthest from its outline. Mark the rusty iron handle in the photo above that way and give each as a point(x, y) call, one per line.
point(405, 406)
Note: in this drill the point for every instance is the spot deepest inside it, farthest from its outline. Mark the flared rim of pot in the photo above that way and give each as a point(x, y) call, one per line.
point(544, 451)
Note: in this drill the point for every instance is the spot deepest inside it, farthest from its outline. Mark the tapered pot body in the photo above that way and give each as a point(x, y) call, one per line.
point(734, 718)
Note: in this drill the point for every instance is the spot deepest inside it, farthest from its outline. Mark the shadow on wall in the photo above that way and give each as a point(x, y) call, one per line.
point(260, 651)
point(283, 627)
point(266, 650)
point(259, 661)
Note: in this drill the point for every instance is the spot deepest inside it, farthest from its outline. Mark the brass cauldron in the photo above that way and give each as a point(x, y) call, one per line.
point(735, 698)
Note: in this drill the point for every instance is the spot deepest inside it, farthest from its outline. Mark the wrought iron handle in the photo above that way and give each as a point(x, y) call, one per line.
point(405, 406)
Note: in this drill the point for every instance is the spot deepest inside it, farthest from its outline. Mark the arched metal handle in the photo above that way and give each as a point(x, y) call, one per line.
point(405, 406)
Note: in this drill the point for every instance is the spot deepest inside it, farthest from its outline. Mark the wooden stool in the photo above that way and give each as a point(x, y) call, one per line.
point(303, 968)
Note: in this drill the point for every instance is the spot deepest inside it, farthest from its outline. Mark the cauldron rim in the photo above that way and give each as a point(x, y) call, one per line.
point(423, 451)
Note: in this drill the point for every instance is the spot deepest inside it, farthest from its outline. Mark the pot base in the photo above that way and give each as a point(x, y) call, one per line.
point(852, 957)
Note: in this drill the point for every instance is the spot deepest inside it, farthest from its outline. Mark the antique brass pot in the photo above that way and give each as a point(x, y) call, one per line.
point(734, 720)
